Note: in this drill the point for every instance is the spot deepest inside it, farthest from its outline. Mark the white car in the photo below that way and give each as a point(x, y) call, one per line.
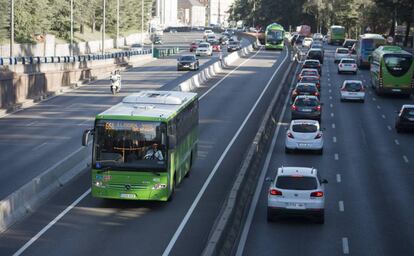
point(307, 42)
point(341, 53)
point(204, 49)
point(211, 38)
point(347, 65)
point(296, 191)
point(352, 90)
point(208, 32)
point(304, 134)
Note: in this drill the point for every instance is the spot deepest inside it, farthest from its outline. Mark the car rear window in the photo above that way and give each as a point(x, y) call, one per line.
point(304, 128)
point(306, 102)
point(296, 183)
point(353, 86)
point(342, 51)
point(309, 73)
point(313, 54)
point(347, 61)
point(306, 88)
point(311, 63)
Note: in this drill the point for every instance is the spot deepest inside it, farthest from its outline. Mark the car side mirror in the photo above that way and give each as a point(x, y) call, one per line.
point(85, 137)
point(324, 181)
point(172, 141)
point(268, 179)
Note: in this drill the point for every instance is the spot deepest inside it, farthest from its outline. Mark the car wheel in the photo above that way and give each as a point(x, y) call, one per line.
point(362, 101)
point(355, 73)
point(270, 216)
point(398, 129)
point(342, 100)
point(288, 150)
point(320, 151)
point(339, 72)
point(320, 219)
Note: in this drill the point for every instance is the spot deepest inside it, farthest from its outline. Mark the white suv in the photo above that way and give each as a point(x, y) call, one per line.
point(304, 135)
point(296, 191)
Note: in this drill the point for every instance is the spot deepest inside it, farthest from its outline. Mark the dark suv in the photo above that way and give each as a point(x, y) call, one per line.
point(315, 54)
point(405, 118)
point(187, 62)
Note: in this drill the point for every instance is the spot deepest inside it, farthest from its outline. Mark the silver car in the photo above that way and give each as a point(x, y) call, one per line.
point(341, 53)
point(304, 135)
point(296, 191)
point(352, 90)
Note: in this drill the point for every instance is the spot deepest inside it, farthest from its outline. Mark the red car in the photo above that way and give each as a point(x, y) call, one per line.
point(216, 47)
point(193, 46)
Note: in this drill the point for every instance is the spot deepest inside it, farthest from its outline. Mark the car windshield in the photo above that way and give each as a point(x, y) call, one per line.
point(304, 128)
point(296, 183)
point(306, 102)
point(348, 43)
point(129, 145)
point(342, 51)
point(347, 61)
point(353, 86)
point(398, 64)
point(187, 58)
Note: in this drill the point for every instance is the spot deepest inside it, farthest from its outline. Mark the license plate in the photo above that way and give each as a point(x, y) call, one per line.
point(128, 196)
point(306, 110)
point(303, 145)
point(352, 93)
point(296, 205)
point(396, 90)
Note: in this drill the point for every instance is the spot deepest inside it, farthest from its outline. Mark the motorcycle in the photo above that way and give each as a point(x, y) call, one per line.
point(115, 82)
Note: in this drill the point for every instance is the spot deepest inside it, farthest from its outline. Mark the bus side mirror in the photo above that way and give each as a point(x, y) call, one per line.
point(85, 137)
point(172, 141)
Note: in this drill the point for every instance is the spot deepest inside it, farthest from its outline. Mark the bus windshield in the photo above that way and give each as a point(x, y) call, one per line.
point(338, 30)
point(130, 145)
point(398, 64)
point(274, 35)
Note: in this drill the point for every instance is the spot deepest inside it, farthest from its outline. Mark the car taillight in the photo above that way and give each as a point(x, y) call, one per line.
point(316, 94)
point(362, 89)
point(275, 192)
point(317, 194)
point(318, 108)
point(290, 135)
point(354, 65)
point(340, 65)
point(343, 89)
point(294, 107)
point(318, 136)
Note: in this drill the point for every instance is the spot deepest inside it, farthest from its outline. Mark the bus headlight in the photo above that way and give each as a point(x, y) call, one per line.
point(98, 184)
point(159, 186)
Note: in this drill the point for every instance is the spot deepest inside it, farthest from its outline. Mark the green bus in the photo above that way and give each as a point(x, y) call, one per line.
point(274, 36)
point(336, 35)
point(392, 70)
point(365, 45)
point(144, 146)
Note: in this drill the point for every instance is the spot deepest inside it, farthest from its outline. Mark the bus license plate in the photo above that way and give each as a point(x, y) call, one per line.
point(128, 196)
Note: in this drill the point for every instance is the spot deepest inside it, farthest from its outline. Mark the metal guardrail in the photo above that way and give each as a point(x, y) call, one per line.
point(71, 59)
point(159, 53)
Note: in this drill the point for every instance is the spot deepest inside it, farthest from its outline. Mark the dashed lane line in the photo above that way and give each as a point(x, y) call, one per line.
point(336, 156)
point(334, 139)
point(405, 159)
point(338, 178)
point(397, 142)
point(341, 206)
point(345, 245)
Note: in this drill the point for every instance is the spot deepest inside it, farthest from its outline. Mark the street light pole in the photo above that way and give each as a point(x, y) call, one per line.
point(117, 23)
point(71, 28)
point(142, 23)
point(11, 27)
point(103, 26)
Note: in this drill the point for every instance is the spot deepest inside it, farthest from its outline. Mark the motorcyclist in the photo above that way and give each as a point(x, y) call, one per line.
point(115, 80)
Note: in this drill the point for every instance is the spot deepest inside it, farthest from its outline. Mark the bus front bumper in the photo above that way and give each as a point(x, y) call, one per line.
point(131, 194)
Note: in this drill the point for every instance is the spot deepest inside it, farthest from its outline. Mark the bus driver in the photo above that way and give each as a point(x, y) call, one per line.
point(154, 153)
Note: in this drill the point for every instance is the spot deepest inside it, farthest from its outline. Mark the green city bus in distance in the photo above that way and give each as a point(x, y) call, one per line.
point(274, 37)
point(336, 35)
point(144, 146)
point(365, 45)
point(392, 70)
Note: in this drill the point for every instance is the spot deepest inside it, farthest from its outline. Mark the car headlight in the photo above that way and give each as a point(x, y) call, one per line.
point(159, 186)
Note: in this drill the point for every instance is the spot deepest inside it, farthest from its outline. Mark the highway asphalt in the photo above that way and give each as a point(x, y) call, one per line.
point(34, 139)
point(152, 228)
point(369, 167)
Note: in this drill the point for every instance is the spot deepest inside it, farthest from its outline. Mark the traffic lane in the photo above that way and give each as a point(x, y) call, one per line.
point(242, 90)
point(115, 217)
point(46, 133)
point(380, 175)
point(298, 236)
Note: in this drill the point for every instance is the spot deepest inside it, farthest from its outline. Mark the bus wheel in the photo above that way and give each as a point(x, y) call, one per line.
point(171, 197)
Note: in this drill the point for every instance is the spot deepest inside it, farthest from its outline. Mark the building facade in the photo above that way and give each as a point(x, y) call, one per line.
point(166, 12)
point(218, 11)
point(191, 13)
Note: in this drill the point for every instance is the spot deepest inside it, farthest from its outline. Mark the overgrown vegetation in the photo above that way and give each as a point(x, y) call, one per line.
point(39, 17)
point(356, 15)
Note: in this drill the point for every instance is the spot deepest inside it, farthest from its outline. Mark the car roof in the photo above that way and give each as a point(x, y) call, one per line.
point(304, 121)
point(341, 48)
point(347, 59)
point(306, 84)
point(407, 106)
point(309, 69)
point(352, 81)
point(311, 77)
point(312, 60)
point(315, 50)
point(292, 171)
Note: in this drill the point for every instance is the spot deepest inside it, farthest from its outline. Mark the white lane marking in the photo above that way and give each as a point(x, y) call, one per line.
point(383, 116)
point(330, 97)
point(345, 245)
point(338, 178)
point(341, 206)
point(213, 172)
point(53, 222)
point(378, 107)
point(31, 123)
point(84, 122)
point(336, 156)
point(374, 99)
point(39, 146)
point(332, 114)
point(405, 159)
point(333, 126)
point(389, 127)
point(397, 142)
point(331, 105)
point(259, 186)
point(334, 139)
point(330, 90)
point(231, 72)
point(329, 85)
